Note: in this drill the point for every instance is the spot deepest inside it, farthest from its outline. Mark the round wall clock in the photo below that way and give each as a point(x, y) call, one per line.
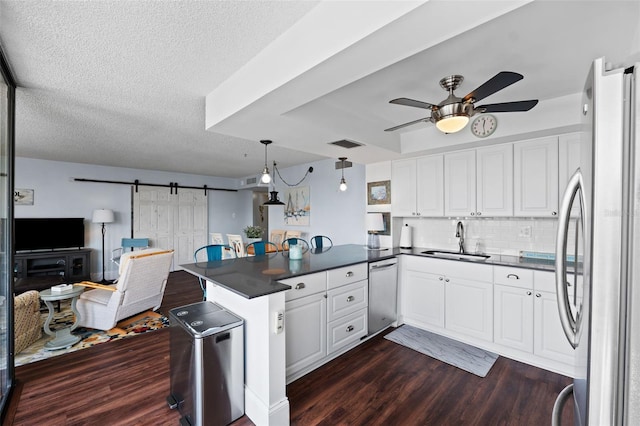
point(484, 125)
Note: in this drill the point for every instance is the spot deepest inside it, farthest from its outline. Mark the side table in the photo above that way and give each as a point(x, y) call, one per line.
point(62, 338)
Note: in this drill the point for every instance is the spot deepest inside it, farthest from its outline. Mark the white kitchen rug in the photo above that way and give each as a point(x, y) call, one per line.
point(458, 354)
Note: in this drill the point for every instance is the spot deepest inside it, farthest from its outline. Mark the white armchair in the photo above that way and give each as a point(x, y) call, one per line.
point(143, 278)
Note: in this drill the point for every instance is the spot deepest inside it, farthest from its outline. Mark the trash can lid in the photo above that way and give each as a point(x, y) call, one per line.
point(205, 318)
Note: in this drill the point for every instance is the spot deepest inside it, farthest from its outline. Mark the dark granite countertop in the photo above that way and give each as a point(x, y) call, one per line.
point(259, 275)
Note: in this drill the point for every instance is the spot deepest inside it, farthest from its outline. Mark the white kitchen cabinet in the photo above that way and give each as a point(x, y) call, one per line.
point(422, 300)
point(494, 194)
point(306, 328)
point(513, 317)
point(418, 186)
point(460, 183)
point(536, 177)
point(573, 153)
point(469, 307)
point(346, 331)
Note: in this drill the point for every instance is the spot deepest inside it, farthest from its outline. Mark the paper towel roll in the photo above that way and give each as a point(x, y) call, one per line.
point(405, 237)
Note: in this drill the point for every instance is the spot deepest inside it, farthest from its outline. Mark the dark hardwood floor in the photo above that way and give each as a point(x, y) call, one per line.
point(125, 382)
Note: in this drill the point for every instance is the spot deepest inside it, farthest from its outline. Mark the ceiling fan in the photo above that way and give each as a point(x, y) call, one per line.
point(453, 113)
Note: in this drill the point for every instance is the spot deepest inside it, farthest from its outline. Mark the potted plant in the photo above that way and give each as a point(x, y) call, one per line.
point(253, 233)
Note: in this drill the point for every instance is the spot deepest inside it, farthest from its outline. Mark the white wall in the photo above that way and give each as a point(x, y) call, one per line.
point(339, 215)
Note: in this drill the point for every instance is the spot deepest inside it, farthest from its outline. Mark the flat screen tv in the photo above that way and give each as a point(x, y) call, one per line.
point(48, 233)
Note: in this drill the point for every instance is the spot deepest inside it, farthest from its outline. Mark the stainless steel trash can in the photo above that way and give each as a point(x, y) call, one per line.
point(207, 364)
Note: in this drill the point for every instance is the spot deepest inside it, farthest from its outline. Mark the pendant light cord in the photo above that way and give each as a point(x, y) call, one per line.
point(309, 170)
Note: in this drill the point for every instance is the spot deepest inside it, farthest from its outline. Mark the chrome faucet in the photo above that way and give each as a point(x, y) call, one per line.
point(460, 235)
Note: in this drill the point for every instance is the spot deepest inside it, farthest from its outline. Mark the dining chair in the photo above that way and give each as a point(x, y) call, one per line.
point(320, 242)
point(286, 244)
point(216, 238)
point(212, 252)
point(276, 237)
point(262, 248)
point(235, 241)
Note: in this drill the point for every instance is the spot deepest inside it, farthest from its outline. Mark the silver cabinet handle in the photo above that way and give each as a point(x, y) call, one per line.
point(349, 329)
point(418, 214)
point(446, 280)
point(300, 286)
point(554, 213)
point(479, 213)
point(538, 295)
point(349, 274)
point(350, 299)
point(529, 293)
point(440, 278)
point(513, 277)
point(473, 214)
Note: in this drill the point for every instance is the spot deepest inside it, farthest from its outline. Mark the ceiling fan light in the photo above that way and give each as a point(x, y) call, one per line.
point(452, 124)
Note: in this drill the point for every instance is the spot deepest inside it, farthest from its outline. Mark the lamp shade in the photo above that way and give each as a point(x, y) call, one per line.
point(375, 222)
point(102, 216)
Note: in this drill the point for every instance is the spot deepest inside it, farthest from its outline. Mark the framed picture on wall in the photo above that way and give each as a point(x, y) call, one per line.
point(379, 192)
point(23, 197)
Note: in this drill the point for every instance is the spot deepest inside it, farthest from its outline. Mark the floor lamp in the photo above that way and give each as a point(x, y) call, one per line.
point(102, 216)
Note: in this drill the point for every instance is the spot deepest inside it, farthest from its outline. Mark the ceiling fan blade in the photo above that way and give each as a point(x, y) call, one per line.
point(508, 106)
point(494, 84)
point(412, 103)
point(400, 126)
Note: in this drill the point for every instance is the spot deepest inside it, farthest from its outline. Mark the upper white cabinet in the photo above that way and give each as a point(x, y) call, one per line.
point(417, 186)
point(573, 154)
point(460, 183)
point(494, 195)
point(536, 177)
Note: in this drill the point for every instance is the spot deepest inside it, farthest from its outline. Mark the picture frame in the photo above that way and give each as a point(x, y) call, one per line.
point(386, 218)
point(379, 192)
point(23, 197)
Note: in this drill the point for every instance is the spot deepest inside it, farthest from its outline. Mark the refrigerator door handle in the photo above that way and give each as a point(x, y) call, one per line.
point(556, 415)
point(569, 323)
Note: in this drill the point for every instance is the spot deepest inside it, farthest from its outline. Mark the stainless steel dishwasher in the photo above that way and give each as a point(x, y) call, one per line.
point(383, 294)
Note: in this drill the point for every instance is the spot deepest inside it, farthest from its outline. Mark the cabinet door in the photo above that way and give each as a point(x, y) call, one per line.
point(423, 298)
point(494, 181)
point(430, 185)
point(469, 307)
point(513, 317)
point(572, 154)
point(549, 339)
point(403, 187)
point(306, 330)
point(536, 177)
point(460, 184)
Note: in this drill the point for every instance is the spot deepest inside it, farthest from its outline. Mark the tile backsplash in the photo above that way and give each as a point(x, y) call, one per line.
point(506, 236)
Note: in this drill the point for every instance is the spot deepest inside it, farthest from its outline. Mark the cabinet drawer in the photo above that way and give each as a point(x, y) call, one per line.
point(346, 330)
point(545, 281)
point(514, 277)
point(346, 299)
point(305, 285)
point(347, 275)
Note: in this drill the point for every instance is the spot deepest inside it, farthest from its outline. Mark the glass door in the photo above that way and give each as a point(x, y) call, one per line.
point(7, 110)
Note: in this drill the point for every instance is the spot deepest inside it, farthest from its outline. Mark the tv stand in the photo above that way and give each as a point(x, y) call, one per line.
point(42, 269)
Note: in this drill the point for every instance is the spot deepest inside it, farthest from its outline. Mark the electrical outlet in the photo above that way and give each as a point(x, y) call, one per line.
point(525, 231)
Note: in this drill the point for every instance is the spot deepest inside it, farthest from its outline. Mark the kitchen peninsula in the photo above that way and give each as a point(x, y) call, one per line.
point(250, 288)
point(255, 288)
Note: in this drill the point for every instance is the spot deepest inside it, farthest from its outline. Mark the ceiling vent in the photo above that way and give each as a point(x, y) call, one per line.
point(346, 143)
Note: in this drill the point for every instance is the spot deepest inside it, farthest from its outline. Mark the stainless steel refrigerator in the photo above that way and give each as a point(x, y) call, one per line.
point(598, 242)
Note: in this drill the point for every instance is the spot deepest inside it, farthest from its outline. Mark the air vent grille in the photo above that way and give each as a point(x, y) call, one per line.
point(346, 143)
point(252, 180)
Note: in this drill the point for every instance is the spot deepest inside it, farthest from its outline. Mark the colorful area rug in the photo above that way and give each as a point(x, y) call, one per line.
point(466, 357)
point(132, 326)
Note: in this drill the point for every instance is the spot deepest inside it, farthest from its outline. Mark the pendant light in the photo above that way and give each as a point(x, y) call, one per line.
point(343, 183)
point(266, 177)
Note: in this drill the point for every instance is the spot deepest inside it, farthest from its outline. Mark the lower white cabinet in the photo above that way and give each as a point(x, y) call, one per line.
point(423, 298)
point(325, 313)
point(469, 307)
point(513, 325)
point(549, 339)
point(306, 328)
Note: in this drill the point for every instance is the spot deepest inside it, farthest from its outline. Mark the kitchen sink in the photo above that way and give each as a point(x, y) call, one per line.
point(457, 256)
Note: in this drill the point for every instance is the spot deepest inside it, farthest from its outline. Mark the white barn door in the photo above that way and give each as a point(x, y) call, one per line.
point(173, 221)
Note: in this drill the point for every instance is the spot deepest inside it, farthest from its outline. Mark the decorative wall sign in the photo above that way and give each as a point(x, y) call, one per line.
point(379, 192)
point(23, 197)
point(297, 209)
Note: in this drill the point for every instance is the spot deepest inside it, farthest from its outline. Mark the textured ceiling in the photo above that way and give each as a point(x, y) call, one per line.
point(124, 83)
